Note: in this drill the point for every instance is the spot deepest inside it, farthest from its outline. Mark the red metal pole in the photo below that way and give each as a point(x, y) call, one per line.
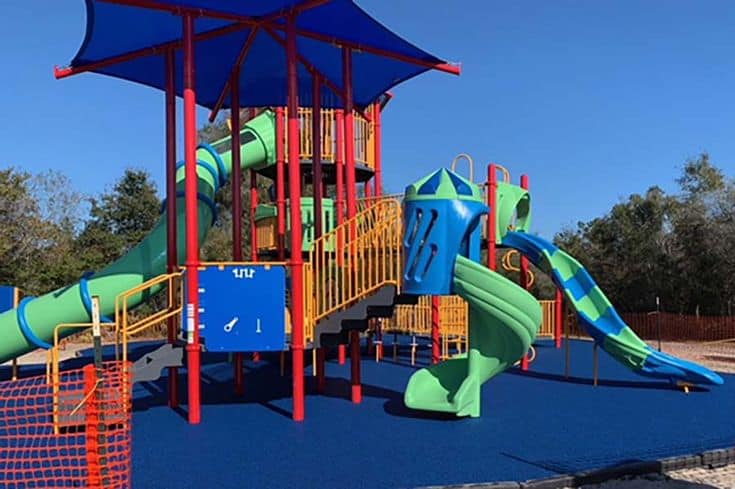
point(281, 181)
point(368, 190)
point(435, 328)
point(254, 229)
point(558, 317)
point(253, 209)
point(192, 221)
point(349, 135)
point(171, 241)
point(339, 161)
point(236, 171)
point(378, 150)
point(318, 191)
point(294, 192)
point(524, 282)
point(492, 192)
point(340, 177)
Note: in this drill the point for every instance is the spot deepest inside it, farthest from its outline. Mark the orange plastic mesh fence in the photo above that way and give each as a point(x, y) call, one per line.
point(74, 434)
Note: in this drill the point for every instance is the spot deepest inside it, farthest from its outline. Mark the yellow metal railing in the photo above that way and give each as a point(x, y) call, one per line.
point(367, 257)
point(53, 369)
point(415, 320)
point(364, 136)
point(126, 326)
point(363, 203)
point(548, 324)
point(510, 267)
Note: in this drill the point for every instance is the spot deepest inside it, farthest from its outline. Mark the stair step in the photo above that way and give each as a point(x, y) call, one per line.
point(380, 311)
point(406, 300)
point(150, 366)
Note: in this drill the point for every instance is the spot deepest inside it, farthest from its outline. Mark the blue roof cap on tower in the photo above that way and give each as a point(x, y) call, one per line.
point(114, 31)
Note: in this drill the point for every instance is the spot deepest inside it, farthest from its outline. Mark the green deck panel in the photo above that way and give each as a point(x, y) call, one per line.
point(512, 206)
point(329, 217)
point(504, 319)
point(143, 262)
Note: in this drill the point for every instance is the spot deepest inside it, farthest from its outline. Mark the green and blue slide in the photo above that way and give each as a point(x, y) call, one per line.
point(601, 320)
point(32, 324)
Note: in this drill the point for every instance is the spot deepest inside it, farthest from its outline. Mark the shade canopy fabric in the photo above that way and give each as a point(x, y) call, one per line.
point(128, 39)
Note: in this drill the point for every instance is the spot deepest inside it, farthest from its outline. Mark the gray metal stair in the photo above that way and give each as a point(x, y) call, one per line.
point(334, 329)
point(150, 366)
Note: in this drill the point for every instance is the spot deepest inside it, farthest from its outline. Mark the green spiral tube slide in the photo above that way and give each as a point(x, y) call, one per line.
point(504, 319)
point(32, 325)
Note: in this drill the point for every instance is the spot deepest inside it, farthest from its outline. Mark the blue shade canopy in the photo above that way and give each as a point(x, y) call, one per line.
point(134, 39)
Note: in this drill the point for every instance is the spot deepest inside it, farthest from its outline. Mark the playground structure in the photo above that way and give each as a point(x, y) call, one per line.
point(321, 273)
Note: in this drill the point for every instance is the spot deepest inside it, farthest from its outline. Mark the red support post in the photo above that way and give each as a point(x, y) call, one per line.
point(294, 192)
point(254, 229)
point(281, 181)
point(349, 135)
point(236, 171)
point(253, 209)
point(492, 192)
point(524, 279)
point(378, 149)
point(172, 253)
point(558, 317)
point(193, 348)
point(340, 177)
point(435, 329)
point(340, 162)
point(318, 193)
point(349, 138)
point(355, 367)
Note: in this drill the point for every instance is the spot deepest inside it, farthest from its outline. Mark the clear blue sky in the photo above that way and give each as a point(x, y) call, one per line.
point(595, 100)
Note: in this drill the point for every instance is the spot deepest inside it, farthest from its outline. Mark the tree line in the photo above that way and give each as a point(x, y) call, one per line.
point(674, 246)
point(678, 247)
point(52, 234)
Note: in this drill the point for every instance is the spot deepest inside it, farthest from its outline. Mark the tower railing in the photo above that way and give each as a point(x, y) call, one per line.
point(364, 136)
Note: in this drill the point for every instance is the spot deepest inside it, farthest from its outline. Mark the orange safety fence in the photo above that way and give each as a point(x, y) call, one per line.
point(678, 327)
point(77, 435)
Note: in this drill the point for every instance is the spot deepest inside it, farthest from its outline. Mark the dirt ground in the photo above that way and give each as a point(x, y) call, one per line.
point(701, 478)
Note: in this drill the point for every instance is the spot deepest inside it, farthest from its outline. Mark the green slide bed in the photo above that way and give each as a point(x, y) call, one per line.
point(32, 325)
point(503, 321)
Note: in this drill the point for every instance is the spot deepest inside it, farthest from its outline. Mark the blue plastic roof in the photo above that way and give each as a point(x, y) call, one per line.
point(114, 30)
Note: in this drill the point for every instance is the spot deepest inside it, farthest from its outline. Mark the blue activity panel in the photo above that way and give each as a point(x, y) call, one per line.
point(7, 298)
point(243, 308)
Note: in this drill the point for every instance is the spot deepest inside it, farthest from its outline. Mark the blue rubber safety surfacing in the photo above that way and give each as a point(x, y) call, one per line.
point(533, 425)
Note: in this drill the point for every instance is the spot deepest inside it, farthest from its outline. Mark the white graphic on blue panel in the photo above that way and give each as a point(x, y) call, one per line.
point(230, 325)
point(243, 272)
point(257, 326)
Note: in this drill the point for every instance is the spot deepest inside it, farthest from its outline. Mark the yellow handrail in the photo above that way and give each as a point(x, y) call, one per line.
point(470, 162)
point(508, 266)
point(364, 202)
point(124, 328)
point(53, 370)
point(367, 257)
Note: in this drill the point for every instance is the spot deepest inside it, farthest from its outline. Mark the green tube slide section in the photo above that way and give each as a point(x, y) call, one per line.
point(32, 325)
point(504, 319)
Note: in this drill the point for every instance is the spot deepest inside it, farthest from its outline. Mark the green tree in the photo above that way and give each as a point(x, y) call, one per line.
point(119, 219)
point(676, 247)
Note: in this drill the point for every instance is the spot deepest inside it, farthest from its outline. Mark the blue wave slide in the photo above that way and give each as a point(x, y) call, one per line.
point(601, 320)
